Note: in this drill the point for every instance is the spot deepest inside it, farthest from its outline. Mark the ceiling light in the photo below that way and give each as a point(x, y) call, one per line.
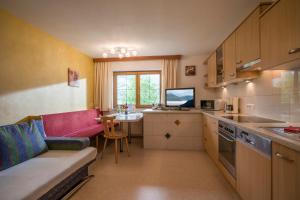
point(112, 51)
point(104, 55)
point(120, 52)
point(123, 50)
point(127, 54)
point(134, 53)
point(121, 55)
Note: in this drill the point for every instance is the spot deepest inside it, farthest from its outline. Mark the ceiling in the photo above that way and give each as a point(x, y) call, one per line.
point(153, 27)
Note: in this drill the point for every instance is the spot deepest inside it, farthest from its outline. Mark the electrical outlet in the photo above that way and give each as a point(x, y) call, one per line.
point(250, 107)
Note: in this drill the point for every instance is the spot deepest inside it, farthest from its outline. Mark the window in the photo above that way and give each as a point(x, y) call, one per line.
point(139, 88)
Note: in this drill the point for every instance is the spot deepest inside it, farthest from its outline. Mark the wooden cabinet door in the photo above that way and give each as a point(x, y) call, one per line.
point(253, 173)
point(229, 58)
point(247, 39)
point(285, 173)
point(280, 34)
point(211, 142)
point(212, 70)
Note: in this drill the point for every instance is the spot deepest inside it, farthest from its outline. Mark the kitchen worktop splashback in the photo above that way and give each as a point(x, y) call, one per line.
point(275, 94)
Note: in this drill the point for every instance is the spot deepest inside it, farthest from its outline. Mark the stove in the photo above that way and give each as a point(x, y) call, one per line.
point(250, 119)
point(288, 132)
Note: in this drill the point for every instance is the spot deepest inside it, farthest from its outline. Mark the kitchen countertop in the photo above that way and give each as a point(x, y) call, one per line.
point(257, 128)
point(191, 111)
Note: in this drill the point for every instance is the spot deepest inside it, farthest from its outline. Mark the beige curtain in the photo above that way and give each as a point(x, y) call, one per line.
point(169, 73)
point(103, 86)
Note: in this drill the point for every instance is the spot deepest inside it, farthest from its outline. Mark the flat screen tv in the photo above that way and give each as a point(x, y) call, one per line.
point(180, 97)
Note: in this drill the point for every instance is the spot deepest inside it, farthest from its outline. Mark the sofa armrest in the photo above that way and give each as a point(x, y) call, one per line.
point(67, 143)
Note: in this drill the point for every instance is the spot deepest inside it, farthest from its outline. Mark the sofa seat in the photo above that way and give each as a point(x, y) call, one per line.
point(35, 177)
point(90, 131)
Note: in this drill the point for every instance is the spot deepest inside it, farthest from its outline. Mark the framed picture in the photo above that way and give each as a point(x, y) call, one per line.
point(190, 70)
point(73, 78)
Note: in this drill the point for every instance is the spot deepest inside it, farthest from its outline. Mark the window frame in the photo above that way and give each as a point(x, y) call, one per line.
point(137, 85)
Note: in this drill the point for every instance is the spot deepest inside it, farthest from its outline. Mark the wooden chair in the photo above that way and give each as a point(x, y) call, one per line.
point(111, 134)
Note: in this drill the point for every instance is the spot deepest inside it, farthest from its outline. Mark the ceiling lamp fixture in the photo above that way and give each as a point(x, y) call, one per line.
point(120, 52)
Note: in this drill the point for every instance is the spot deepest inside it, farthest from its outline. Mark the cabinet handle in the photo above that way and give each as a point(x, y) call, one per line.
point(177, 122)
point(292, 51)
point(232, 74)
point(278, 155)
point(239, 62)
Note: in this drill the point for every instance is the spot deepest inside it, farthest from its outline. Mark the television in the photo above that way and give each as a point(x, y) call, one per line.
point(180, 97)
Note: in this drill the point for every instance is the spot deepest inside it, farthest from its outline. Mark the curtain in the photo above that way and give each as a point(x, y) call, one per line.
point(169, 72)
point(103, 86)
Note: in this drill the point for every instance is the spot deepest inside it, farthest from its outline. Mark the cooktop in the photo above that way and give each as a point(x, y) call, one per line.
point(250, 119)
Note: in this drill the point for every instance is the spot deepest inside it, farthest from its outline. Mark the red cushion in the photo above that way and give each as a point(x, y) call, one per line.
point(87, 132)
point(63, 124)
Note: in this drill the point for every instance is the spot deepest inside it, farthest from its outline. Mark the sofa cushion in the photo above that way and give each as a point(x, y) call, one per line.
point(87, 132)
point(18, 143)
point(35, 177)
point(67, 143)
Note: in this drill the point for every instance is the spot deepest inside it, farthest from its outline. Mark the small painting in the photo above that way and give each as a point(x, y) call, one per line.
point(190, 70)
point(73, 78)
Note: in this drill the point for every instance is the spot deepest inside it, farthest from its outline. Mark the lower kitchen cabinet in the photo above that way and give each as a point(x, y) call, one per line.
point(285, 173)
point(169, 130)
point(253, 173)
point(210, 137)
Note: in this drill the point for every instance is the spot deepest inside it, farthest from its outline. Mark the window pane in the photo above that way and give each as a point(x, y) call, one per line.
point(126, 89)
point(149, 89)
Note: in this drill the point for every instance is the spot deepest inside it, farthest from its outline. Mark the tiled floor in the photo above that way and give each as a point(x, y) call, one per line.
point(156, 175)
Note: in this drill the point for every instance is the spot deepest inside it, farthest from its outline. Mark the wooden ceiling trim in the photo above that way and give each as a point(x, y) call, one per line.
point(137, 58)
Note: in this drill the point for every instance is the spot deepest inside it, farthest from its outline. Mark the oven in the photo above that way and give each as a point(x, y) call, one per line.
point(227, 143)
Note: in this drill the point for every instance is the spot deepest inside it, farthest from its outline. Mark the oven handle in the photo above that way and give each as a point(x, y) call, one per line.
point(226, 138)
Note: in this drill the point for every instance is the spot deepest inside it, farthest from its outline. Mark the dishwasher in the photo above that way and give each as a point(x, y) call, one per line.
point(253, 165)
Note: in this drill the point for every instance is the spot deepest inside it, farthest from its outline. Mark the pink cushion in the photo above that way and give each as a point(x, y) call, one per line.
point(87, 132)
point(63, 124)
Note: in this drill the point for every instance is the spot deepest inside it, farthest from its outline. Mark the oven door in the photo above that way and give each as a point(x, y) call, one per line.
point(227, 152)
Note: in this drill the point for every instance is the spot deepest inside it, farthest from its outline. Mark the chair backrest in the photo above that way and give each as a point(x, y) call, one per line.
point(108, 123)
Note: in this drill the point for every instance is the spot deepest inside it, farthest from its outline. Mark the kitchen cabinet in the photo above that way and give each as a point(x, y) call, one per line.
point(212, 71)
point(253, 173)
point(247, 40)
point(169, 130)
point(229, 58)
point(280, 34)
point(210, 137)
point(285, 173)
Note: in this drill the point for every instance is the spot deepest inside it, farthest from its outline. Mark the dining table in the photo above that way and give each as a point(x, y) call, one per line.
point(129, 119)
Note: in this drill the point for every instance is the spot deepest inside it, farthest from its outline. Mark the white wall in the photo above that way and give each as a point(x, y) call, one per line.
point(197, 81)
point(275, 94)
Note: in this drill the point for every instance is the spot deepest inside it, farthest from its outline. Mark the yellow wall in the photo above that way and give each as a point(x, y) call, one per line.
point(33, 72)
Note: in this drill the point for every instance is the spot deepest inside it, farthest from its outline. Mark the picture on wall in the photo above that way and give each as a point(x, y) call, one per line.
point(73, 78)
point(190, 70)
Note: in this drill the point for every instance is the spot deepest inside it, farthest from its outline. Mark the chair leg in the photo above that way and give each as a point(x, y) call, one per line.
point(104, 147)
point(116, 151)
point(97, 142)
point(127, 147)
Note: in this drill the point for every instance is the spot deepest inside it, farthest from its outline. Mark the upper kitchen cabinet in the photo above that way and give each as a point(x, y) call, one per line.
point(212, 70)
point(280, 34)
point(247, 40)
point(229, 58)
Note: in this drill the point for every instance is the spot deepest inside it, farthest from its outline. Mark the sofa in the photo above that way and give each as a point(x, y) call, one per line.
point(34, 166)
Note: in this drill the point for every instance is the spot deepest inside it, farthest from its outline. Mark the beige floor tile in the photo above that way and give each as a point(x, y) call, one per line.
point(156, 175)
